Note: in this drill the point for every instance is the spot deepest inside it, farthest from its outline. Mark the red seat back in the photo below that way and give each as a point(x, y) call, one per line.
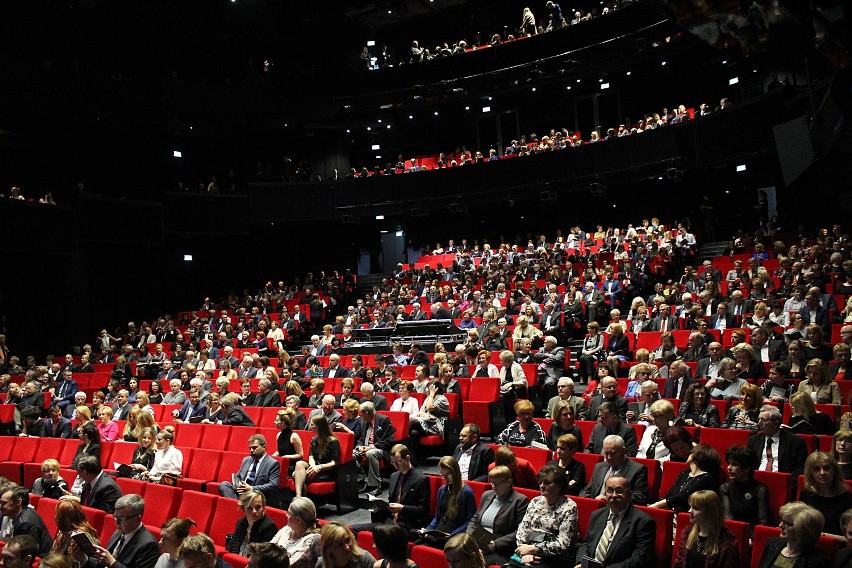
point(200, 507)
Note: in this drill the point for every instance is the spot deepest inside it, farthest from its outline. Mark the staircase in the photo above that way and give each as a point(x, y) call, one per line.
point(709, 250)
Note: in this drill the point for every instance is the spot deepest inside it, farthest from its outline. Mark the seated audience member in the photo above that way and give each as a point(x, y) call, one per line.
point(818, 384)
point(172, 534)
point(547, 534)
point(806, 419)
point(267, 555)
point(168, 460)
point(636, 530)
point(99, 490)
point(259, 472)
point(744, 415)
point(608, 424)
point(500, 511)
point(338, 549)
point(652, 446)
point(317, 388)
point(592, 351)
point(523, 473)
point(472, 455)
point(727, 385)
point(300, 421)
point(234, 415)
point(649, 393)
point(696, 409)
point(801, 527)
point(198, 551)
point(563, 423)
point(300, 538)
point(706, 542)
point(523, 431)
point(456, 505)
point(744, 498)
point(140, 551)
point(609, 393)
point(703, 473)
point(766, 445)
point(747, 364)
point(369, 395)
point(566, 446)
point(50, 484)
point(777, 388)
point(642, 356)
point(21, 551)
point(462, 550)
point(839, 369)
point(565, 388)
point(391, 541)
point(677, 381)
point(433, 414)
point(708, 366)
point(323, 456)
point(107, 429)
point(254, 526)
point(616, 461)
point(15, 501)
point(844, 556)
point(372, 445)
point(408, 497)
point(843, 451)
point(405, 402)
point(175, 395)
point(825, 489)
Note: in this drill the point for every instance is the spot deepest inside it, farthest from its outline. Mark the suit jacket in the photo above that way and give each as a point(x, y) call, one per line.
point(632, 545)
point(628, 434)
point(633, 471)
point(268, 400)
point(102, 495)
point(598, 399)
point(791, 452)
point(267, 476)
point(236, 416)
point(703, 368)
point(29, 522)
point(383, 436)
point(482, 457)
point(506, 521)
point(199, 410)
point(673, 323)
point(243, 373)
point(420, 358)
point(554, 361)
point(61, 430)
point(141, 551)
point(380, 402)
point(264, 530)
point(415, 498)
point(776, 350)
point(65, 391)
point(339, 374)
point(730, 321)
point(121, 413)
point(669, 388)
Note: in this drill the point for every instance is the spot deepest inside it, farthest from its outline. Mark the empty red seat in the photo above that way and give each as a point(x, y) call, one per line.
point(200, 507)
point(162, 503)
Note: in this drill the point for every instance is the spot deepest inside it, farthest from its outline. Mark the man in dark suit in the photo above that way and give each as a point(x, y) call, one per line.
point(56, 425)
point(813, 312)
point(440, 312)
point(610, 424)
point(616, 461)
point(722, 319)
point(66, 388)
point(739, 306)
point(375, 443)
point(234, 415)
point(708, 367)
point(192, 408)
point(551, 360)
point(246, 369)
point(131, 545)
point(678, 381)
point(335, 370)
point(609, 393)
point(696, 350)
point(258, 472)
point(418, 356)
point(369, 395)
point(665, 321)
point(14, 504)
point(122, 406)
point(786, 453)
point(631, 537)
point(766, 349)
point(100, 491)
point(416, 313)
point(594, 302)
point(473, 456)
point(513, 507)
point(266, 396)
point(408, 496)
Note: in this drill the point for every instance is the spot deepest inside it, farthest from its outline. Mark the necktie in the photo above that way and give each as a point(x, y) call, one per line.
point(664, 325)
point(371, 437)
point(118, 546)
point(399, 494)
point(770, 460)
point(252, 473)
point(603, 543)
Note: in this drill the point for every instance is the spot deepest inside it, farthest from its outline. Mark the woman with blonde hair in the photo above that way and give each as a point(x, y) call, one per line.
point(801, 527)
point(338, 549)
point(84, 415)
point(706, 542)
point(144, 453)
point(254, 526)
point(744, 415)
point(825, 489)
point(819, 385)
point(806, 419)
point(462, 551)
point(843, 451)
point(50, 484)
point(300, 538)
point(132, 428)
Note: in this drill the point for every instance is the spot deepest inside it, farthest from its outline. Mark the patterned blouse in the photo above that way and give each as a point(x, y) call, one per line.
point(558, 522)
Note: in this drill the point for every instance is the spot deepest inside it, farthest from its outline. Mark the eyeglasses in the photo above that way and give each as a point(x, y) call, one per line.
point(125, 519)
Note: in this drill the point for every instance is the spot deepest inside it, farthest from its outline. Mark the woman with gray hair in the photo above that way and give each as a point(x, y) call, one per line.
point(801, 527)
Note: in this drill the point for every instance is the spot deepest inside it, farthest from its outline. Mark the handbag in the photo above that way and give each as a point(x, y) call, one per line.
point(169, 479)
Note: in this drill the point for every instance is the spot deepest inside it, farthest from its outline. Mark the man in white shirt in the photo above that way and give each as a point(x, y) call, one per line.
point(777, 449)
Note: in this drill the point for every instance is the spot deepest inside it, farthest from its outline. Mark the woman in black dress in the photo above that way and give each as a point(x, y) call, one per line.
point(566, 446)
point(702, 473)
point(288, 443)
point(322, 458)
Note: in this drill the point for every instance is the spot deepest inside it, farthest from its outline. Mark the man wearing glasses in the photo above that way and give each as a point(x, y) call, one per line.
point(131, 545)
point(776, 448)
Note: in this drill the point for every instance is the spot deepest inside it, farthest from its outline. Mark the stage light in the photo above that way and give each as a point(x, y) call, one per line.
point(375, 147)
point(177, 154)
